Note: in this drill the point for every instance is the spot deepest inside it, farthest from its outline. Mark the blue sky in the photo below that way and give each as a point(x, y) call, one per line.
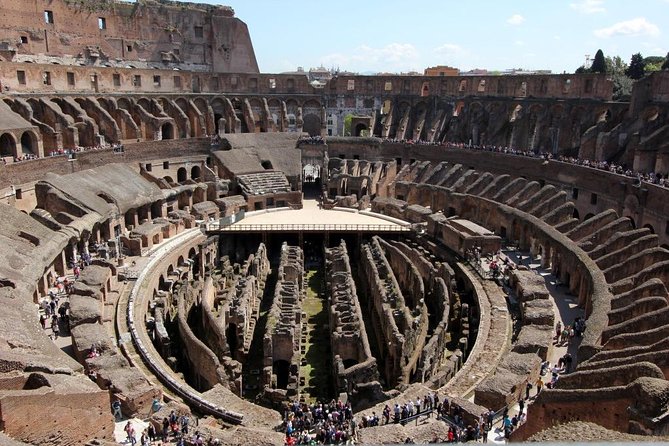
point(399, 36)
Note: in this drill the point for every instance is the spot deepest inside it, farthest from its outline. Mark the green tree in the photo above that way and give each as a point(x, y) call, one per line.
point(652, 63)
point(636, 67)
point(615, 65)
point(348, 119)
point(581, 70)
point(622, 87)
point(665, 65)
point(599, 63)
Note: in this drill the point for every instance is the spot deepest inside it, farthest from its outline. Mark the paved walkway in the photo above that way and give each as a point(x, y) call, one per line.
point(311, 214)
point(565, 308)
point(120, 435)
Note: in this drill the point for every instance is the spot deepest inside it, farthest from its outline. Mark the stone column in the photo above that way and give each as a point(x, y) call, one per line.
point(546, 256)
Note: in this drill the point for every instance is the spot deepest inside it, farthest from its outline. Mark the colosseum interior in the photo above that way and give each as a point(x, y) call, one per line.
point(181, 233)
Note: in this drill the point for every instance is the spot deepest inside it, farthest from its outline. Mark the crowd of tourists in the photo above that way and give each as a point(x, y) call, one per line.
point(319, 423)
point(648, 177)
point(77, 149)
point(314, 140)
point(118, 148)
point(174, 429)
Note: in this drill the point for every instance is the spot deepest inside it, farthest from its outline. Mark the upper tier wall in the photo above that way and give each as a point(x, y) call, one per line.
point(556, 86)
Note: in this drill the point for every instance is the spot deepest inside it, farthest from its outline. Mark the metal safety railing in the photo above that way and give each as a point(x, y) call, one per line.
point(313, 227)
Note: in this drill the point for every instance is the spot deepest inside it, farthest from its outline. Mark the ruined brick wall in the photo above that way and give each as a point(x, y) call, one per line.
point(282, 339)
point(39, 417)
point(97, 31)
point(353, 363)
point(438, 301)
point(207, 368)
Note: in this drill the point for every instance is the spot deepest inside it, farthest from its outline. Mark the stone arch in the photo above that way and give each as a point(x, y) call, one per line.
point(124, 103)
point(168, 179)
point(425, 89)
point(29, 142)
point(588, 217)
point(145, 103)
point(359, 128)
point(575, 214)
point(7, 145)
point(167, 131)
point(182, 103)
point(195, 173)
point(312, 103)
point(182, 175)
point(218, 107)
point(255, 103)
point(292, 105)
point(201, 104)
point(649, 226)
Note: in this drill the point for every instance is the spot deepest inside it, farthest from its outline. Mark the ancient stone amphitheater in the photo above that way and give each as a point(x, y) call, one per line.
point(159, 196)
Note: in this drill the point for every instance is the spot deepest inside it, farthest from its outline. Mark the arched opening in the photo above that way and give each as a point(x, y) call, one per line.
point(167, 131)
point(182, 175)
point(281, 369)
point(195, 173)
point(217, 118)
point(28, 143)
point(129, 218)
point(425, 91)
point(267, 165)
point(665, 246)
point(361, 130)
point(649, 226)
point(231, 336)
point(588, 217)
point(632, 222)
point(7, 145)
point(575, 214)
point(156, 209)
point(169, 179)
point(310, 173)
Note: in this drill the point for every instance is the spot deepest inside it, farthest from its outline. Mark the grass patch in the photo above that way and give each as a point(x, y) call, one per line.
point(316, 372)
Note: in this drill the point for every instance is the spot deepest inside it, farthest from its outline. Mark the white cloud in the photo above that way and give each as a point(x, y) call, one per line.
point(588, 6)
point(449, 49)
point(635, 27)
point(515, 20)
point(392, 57)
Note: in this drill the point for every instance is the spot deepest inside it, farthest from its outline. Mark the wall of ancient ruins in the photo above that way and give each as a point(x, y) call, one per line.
point(401, 322)
point(353, 366)
point(198, 37)
point(232, 312)
point(283, 335)
point(592, 191)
